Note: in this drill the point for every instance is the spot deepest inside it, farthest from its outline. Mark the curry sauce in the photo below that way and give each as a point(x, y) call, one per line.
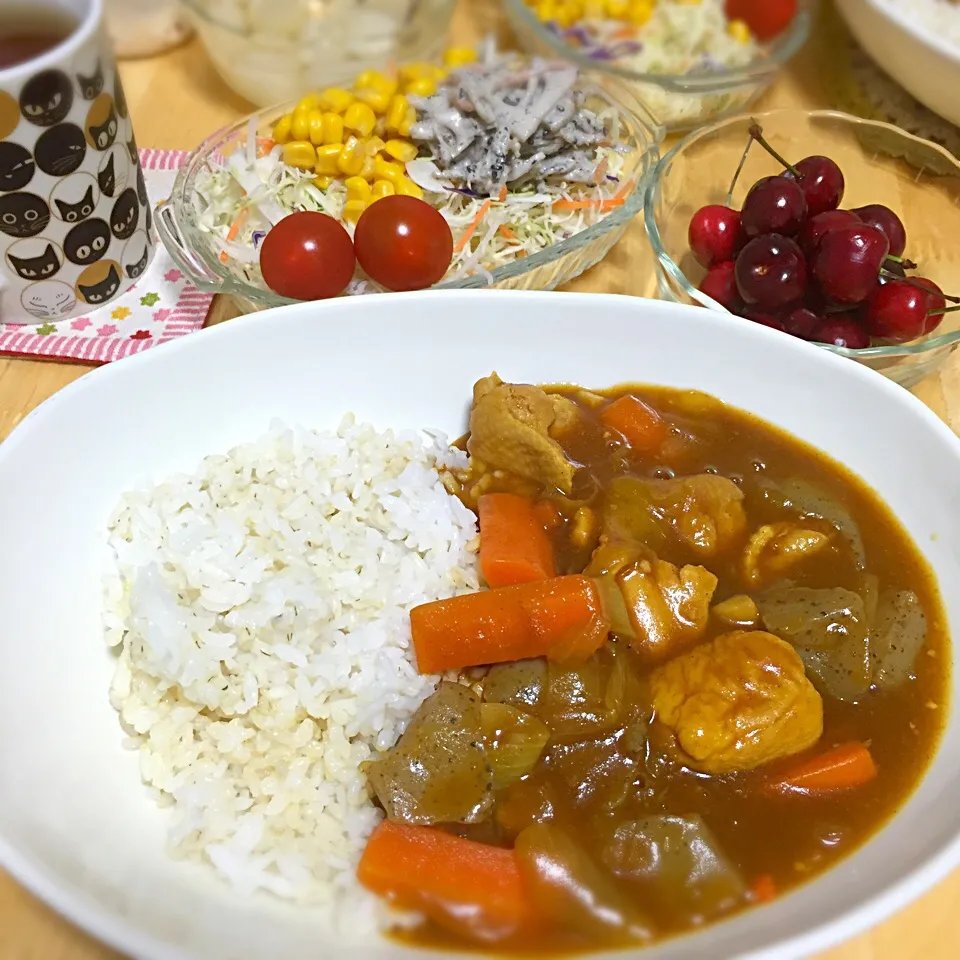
point(616, 776)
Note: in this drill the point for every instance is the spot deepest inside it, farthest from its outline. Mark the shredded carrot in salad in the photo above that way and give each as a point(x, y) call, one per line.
point(472, 227)
point(235, 228)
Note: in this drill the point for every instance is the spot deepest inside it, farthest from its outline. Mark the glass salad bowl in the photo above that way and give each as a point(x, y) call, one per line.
point(201, 254)
point(273, 50)
point(680, 102)
point(881, 163)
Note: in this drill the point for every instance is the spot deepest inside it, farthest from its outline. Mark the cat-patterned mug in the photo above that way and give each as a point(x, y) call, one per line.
point(76, 229)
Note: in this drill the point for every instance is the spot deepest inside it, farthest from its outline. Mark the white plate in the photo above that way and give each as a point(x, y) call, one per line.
point(923, 63)
point(75, 823)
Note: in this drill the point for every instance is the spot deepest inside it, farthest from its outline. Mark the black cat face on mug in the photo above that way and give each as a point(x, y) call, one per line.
point(104, 134)
point(91, 87)
point(46, 99)
point(87, 242)
point(123, 217)
point(135, 270)
point(16, 166)
point(36, 268)
point(60, 150)
point(132, 150)
point(75, 212)
point(101, 292)
point(23, 214)
point(107, 177)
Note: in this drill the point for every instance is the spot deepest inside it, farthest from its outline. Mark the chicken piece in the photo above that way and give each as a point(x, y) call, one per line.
point(704, 511)
point(777, 547)
point(513, 426)
point(659, 607)
point(737, 702)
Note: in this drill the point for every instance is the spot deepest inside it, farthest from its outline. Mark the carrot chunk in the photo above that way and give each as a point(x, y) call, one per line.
point(764, 889)
point(547, 514)
point(560, 618)
point(641, 426)
point(465, 886)
point(514, 546)
point(842, 768)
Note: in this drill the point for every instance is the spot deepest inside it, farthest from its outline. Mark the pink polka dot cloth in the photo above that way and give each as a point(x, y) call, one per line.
point(161, 306)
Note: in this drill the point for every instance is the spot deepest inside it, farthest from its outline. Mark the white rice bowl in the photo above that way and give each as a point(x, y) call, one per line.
point(260, 607)
point(76, 825)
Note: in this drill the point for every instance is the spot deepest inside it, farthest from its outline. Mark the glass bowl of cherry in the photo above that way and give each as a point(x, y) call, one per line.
point(834, 229)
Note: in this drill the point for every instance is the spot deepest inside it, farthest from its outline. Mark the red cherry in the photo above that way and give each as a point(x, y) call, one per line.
point(721, 284)
point(802, 322)
point(773, 205)
point(821, 181)
point(771, 272)
point(715, 234)
point(814, 229)
point(896, 311)
point(843, 331)
point(888, 223)
point(765, 319)
point(899, 311)
point(848, 261)
point(937, 303)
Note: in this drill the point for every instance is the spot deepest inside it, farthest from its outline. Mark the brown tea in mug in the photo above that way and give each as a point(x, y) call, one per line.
point(27, 31)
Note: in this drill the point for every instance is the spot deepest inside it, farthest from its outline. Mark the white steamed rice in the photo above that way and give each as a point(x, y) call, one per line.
point(260, 607)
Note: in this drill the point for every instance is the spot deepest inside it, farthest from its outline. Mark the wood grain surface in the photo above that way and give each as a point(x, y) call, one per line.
point(176, 100)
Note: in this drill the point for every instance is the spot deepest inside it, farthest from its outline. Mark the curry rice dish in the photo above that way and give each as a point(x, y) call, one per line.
point(688, 663)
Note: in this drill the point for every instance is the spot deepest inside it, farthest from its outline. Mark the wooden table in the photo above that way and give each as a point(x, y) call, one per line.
point(176, 100)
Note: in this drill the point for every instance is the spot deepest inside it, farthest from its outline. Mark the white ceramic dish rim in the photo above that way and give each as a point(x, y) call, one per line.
point(73, 903)
point(918, 29)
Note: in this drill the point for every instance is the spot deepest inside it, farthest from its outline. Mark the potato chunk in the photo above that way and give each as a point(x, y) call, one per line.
point(776, 548)
point(738, 702)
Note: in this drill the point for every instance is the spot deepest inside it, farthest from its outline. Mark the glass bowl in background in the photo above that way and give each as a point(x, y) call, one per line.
point(681, 102)
point(275, 50)
point(197, 252)
point(881, 163)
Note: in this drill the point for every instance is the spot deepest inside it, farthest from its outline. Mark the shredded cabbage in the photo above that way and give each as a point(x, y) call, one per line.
point(238, 200)
point(679, 38)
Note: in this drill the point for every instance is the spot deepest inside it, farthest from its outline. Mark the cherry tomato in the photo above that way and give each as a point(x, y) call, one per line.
point(307, 256)
point(765, 18)
point(403, 243)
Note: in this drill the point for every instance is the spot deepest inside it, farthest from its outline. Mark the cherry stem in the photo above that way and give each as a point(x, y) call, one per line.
point(906, 264)
point(739, 170)
point(939, 313)
point(916, 283)
point(756, 133)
